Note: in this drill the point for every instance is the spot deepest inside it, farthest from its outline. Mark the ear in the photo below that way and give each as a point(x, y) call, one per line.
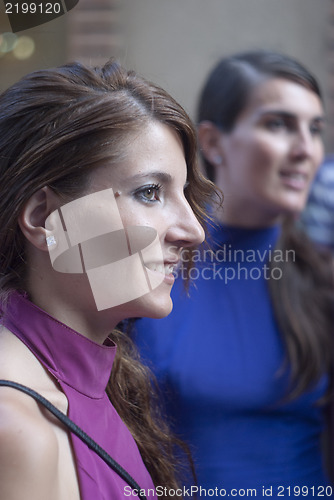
point(209, 137)
point(35, 212)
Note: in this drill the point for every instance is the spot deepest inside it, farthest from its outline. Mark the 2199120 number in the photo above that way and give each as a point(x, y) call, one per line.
point(33, 8)
point(303, 491)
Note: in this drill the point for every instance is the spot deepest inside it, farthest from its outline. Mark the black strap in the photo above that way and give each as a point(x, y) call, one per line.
point(75, 429)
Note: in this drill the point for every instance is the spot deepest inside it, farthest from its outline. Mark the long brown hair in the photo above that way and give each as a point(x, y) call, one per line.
point(303, 299)
point(56, 126)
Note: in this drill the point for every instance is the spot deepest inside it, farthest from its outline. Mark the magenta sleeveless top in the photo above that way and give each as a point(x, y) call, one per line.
point(82, 368)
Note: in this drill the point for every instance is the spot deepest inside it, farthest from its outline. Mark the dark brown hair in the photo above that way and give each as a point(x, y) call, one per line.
point(56, 126)
point(302, 299)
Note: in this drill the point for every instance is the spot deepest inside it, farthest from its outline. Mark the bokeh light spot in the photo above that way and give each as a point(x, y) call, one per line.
point(24, 48)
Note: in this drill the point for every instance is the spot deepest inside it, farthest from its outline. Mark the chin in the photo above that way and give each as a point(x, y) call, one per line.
point(294, 209)
point(162, 313)
point(156, 309)
point(156, 304)
point(292, 206)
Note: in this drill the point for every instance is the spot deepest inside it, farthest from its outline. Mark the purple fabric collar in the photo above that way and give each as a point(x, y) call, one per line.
point(72, 358)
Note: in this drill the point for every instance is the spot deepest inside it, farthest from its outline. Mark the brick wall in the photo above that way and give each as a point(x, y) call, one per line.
point(93, 31)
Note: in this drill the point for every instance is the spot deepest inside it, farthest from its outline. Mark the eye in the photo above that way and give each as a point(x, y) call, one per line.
point(276, 123)
point(317, 128)
point(148, 194)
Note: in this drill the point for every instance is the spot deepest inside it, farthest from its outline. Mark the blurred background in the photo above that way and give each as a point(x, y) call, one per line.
point(176, 42)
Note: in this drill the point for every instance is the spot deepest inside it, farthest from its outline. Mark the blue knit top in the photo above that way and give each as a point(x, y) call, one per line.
point(219, 357)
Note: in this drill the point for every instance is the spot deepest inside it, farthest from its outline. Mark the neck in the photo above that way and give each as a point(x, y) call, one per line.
point(73, 306)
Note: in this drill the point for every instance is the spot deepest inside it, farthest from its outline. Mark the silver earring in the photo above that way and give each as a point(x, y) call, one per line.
point(51, 240)
point(218, 160)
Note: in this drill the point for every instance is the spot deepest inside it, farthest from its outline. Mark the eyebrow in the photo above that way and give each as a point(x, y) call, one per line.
point(288, 115)
point(156, 174)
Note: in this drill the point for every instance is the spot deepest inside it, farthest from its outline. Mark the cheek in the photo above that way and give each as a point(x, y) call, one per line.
point(258, 155)
point(134, 215)
point(319, 156)
point(126, 210)
point(270, 151)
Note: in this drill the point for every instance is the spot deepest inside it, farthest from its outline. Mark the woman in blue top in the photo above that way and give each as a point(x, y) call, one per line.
point(244, 361)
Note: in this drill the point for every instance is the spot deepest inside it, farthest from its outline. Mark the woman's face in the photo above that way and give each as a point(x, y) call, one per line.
point(270, 157)
point(148, 185)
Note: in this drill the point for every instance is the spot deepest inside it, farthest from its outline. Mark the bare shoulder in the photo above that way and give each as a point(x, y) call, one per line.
point(28, 449)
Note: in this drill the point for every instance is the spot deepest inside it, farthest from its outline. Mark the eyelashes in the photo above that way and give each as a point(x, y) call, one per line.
point(150, 193)
point(154, 192)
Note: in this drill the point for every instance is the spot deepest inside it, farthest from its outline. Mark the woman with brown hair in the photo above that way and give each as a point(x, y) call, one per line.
point(99, 194)
point(247, 358)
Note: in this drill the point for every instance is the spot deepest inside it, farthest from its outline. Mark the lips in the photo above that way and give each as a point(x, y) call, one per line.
point(296, 180)
point(166, 268)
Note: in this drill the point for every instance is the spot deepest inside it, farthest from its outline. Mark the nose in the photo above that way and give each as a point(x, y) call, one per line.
point(184, 229)
point(304, 144)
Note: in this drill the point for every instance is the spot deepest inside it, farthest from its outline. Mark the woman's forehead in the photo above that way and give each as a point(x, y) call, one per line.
point(282, 93)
